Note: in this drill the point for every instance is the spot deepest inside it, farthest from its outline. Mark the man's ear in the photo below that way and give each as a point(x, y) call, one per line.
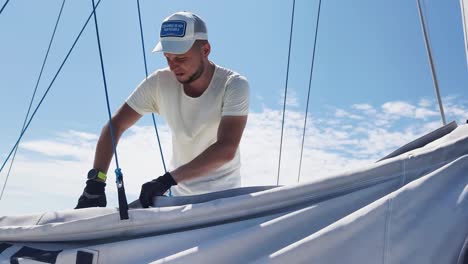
point(206, 48)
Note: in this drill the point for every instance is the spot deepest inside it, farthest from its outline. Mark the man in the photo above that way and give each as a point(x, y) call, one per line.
point(205, 105)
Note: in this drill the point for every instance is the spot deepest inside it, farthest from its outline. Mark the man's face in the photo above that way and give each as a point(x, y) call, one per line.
point(189, 66)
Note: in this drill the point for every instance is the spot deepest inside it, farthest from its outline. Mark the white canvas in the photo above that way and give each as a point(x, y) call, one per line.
point(412, 208)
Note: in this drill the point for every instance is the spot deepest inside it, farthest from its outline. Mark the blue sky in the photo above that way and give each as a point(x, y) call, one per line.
point(371, 89)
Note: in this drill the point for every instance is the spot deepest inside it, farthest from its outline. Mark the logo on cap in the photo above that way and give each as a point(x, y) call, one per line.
point(173, 28)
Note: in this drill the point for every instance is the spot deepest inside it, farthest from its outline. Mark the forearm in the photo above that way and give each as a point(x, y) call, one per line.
point(105, 149)
point(212, 158)
point(121, 121)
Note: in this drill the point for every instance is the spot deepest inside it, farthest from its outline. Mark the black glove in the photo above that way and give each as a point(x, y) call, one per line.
point(93, 195)
point(156, 187)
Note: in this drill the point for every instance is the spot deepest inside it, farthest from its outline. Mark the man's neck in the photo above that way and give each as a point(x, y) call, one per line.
point(198, 87)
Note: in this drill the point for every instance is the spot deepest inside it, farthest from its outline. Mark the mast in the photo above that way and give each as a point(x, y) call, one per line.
point(464, 10)
point(429, 54)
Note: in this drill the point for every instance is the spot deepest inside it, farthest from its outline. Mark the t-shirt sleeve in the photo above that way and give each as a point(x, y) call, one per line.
point(144, 98)
point(236, 97)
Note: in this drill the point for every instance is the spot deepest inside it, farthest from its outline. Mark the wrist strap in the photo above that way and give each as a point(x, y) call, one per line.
point(168, 179)
point(102, 176)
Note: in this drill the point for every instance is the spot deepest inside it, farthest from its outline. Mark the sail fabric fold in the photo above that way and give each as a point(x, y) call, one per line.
point(411, 208)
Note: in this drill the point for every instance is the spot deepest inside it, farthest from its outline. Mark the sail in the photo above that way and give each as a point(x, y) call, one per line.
point(411, 208)
point(464, 10)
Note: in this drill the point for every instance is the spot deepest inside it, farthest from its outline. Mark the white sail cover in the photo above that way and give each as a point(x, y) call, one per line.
point(464, 9)
point(410, 208)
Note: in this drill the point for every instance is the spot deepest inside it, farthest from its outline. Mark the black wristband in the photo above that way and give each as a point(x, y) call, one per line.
point(168, 180)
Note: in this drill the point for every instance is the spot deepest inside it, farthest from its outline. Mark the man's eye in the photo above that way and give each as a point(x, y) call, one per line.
point(181, 59)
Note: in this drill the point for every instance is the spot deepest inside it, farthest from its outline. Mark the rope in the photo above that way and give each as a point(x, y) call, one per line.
point(123, 206)
point(47, 90)
point(308, 93)
point(3, 7)
point(285, 92)
point(146, 74)
point(34, 94)
point(105, 88)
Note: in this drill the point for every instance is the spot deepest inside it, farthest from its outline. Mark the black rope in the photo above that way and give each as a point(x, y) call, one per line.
point(146, 72)
point(33, 96)
point(47, 90)
point(3, 7)
point(285, 92)
point(308, 93)
point(123, 206)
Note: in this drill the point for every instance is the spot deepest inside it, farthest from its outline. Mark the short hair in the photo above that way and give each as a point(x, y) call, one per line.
point(200, 42)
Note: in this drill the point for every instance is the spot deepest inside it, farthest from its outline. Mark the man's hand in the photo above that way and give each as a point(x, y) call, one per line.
point(156, 187)
point(93, 195)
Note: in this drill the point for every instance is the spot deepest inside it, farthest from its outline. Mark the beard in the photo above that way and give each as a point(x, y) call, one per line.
point(195, 75)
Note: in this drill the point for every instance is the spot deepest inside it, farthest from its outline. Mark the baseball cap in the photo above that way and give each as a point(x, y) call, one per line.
point(179, 31)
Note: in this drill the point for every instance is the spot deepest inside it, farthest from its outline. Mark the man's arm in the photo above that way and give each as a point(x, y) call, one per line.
point(223, 150)
point(121, 121)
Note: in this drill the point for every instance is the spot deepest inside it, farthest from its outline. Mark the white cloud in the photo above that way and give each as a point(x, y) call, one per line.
point(366, 108)
point(425, 103)
point(429, 126)
point(55, 148)
point(362, 106)
point(380, 141)
point(292, 101)
point(340, 113)
point(424, 113)
point(398, 108)
point(77, 135)
point(70, 144)
point(456, 112)
point(455, 109)
point(291, 98)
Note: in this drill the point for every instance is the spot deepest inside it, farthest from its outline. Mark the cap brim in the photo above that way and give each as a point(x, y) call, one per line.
point(174, 46)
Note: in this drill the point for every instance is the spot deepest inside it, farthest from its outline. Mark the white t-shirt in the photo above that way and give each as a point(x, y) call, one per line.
point(194, 121)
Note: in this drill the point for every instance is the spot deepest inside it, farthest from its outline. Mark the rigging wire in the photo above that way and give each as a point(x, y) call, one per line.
point(48, 89)
point(285, 92)
point(146, 72)
point(105, 88)
point(424, 6)
point(431, 63)
point(34, 94)
point(428, 31)
point(146, 76)
point(3, 7)
point(308, 93)
point(123, 206)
